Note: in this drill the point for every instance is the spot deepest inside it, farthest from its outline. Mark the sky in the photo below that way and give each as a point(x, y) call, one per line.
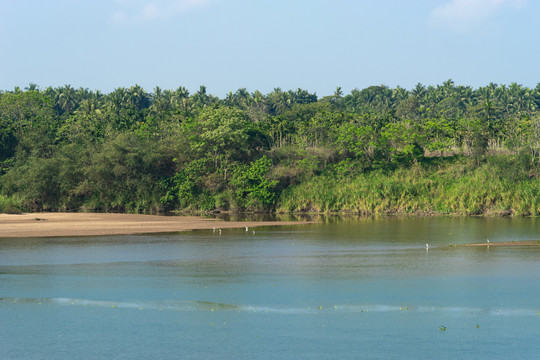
point(316, 45)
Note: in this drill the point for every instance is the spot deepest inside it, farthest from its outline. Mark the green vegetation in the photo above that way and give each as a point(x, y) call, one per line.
point(432, 150)
point(452, 189)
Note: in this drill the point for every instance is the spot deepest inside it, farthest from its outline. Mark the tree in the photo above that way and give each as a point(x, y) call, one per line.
point(439, 135)
point(252, 184)
point(201, 99)
point(125, 174)
point(137, 97)
point(66, 99)
point(25, 111)
point(185, 185)
point(221, 134)
point(8, 142)
point(532, 137)
point(399, 143)
point(278, 101)
point(357, 141)
point(466, 130)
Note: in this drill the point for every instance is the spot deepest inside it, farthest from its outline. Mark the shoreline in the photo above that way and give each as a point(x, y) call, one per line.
point(98, 224)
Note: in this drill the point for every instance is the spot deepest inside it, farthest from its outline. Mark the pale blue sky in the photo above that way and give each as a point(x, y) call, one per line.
point(262, 44)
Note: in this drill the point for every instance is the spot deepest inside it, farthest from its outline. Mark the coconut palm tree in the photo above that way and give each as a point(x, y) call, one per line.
point(137, 97)
point(66, 99)
point(160, 104)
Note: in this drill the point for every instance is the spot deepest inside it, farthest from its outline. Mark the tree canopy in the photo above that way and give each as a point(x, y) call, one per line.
point(133, 150)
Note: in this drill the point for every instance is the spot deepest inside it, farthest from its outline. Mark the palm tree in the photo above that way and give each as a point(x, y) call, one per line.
point(200, 99)
point(179, 99)
point(137, 97)
point(66, 99)
point(419, 91)
point(87, 106)
point(229, 99)
point(32, 87)
point(433, 96)
point(464, 96)
point(301, 96)
point(258, 97)
point(242, 97)
point(182, 92)
point(116, 100)
point(278, 101)
point(158, 93)
point(399, 94)
point(447, 88)
point(160, 103)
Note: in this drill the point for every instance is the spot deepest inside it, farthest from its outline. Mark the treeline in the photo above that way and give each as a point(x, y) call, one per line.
point(436, 149)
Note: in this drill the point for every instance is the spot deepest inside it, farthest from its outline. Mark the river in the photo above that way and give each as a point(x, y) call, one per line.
point(343, 289)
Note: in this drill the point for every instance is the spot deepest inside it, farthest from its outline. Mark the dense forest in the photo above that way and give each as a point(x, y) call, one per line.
point(445, 149)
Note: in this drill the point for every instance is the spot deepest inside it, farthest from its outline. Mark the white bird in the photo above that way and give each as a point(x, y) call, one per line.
point(427, 246)
point(247, 228)
point(488, 241)
point(219, 231)
point(253, 232)
point(213, 229)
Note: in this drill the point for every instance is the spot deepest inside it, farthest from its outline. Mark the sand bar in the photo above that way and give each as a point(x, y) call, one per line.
point(89, 224)
point(508, 243)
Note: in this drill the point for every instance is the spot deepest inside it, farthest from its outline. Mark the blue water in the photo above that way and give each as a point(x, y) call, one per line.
point(344, 289)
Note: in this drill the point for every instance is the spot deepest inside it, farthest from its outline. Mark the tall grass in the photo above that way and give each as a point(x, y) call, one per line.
point(417, 190)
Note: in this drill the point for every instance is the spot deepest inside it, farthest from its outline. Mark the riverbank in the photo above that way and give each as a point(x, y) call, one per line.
point(93, 224)
point(498, 187)
point(449, 188)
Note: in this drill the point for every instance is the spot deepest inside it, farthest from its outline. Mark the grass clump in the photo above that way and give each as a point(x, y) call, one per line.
point(450, 188)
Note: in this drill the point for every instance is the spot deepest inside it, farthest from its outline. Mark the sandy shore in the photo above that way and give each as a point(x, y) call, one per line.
point(86, 224)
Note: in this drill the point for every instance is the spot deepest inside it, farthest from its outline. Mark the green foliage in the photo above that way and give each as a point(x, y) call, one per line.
point(438, 135)
point(357, 140)
point(221, 131)
point(36, 183)
point(417, 190)
point(8, 142)
point(185, 185)
point(375, 150)
point(125, 174)
point(25, 111)
point(398, 144)
point(252, 185)
point(10, 205)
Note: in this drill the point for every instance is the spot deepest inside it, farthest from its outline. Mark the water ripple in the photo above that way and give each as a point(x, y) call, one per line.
point(314, 309)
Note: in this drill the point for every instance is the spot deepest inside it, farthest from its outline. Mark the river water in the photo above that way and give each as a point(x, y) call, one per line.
point(343, 289)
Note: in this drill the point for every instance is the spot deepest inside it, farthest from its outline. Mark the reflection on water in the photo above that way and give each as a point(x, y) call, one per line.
point(347, 288)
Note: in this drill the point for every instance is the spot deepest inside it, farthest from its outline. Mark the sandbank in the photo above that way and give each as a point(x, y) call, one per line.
point(508, 243)
point(91, 224)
